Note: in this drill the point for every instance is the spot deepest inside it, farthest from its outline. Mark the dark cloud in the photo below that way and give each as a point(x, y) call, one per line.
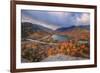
point(61, 19)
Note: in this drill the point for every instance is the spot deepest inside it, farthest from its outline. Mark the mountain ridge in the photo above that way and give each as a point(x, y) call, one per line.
point(36, 27)
point(72, 27)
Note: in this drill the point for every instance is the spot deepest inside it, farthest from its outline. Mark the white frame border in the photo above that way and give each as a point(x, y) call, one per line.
point(20, 65)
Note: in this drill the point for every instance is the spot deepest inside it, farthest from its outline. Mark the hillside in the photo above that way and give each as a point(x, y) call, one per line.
point(62, 29)
point(34, 31)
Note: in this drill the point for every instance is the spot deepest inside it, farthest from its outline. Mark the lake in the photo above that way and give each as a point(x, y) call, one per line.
point(59, 37)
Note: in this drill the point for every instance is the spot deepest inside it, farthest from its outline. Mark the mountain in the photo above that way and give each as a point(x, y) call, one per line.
point(87, 27)
point(27, 27)
point(36, 27)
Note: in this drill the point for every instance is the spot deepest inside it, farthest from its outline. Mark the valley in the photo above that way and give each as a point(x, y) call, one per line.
point(39, 43)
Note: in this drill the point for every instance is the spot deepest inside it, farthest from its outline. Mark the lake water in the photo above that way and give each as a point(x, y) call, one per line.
point(60, 37)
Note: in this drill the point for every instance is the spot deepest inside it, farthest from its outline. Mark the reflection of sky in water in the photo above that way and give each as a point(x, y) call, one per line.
point(54, 20)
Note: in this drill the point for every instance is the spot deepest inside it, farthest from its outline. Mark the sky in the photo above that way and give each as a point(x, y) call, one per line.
point(55, 19)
